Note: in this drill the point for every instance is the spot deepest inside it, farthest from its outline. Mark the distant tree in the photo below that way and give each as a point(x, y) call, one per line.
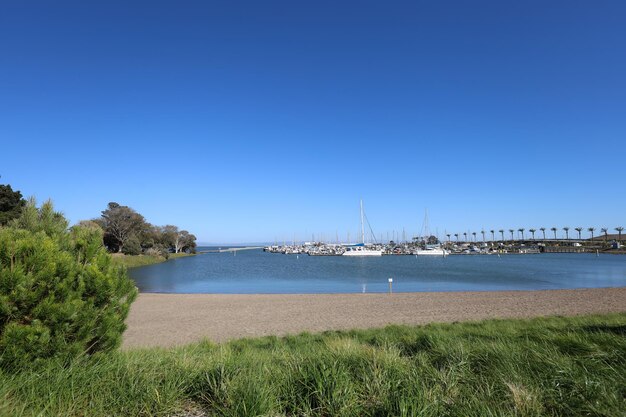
point(578, 229)
point(132, 246)
point(121, 223)
point(474, 233)
point(448, 234)
point(501, 234)
point(566, 229)
point(605, 230)
point(591, 230)
point(149, 236)
point(532, 231)
point(511, 231)
point(493, 235)
point(554, 229)
point(619, 231)
point(430, 240)
point(11, 204)
point(111, 245)
point(521, 230)
point(465, 235)
point(169, 235)
point(456, 235)
point(187, 241)
point(543, 230)
point(483, 233)
point(178, 240)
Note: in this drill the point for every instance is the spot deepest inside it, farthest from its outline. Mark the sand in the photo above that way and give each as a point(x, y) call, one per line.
point(175, 319)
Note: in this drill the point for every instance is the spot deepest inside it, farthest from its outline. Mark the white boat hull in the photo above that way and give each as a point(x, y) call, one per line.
point(363, 252)
point(431, 252)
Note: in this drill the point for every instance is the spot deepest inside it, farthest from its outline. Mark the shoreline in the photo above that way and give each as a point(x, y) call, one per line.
point(138, 261)
point(166, 320)
point(370, 292)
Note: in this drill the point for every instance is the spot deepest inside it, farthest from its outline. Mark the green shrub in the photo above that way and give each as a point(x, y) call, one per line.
point(132, 246)
point(60, 295)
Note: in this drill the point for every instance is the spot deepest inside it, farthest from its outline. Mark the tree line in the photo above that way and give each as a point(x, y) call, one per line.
point(124, 230)
point(532, 231)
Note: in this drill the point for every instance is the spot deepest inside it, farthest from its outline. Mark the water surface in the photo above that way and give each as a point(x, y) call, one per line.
point(256, 272)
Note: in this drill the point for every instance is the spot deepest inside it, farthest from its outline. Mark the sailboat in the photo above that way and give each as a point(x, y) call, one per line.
point(360, 249)
point(428, 249)
point(431, 251)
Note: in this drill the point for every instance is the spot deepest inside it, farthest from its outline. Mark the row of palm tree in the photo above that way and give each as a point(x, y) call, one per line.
point(543, 230)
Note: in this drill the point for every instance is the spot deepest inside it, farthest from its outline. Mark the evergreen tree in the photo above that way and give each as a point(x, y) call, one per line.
point(11, 203)
point(60, 295)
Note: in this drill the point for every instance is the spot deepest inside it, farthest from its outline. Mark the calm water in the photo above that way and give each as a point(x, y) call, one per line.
point(254, 271)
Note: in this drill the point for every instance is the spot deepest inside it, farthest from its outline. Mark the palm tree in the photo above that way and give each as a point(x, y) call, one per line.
point(474, 233)
point(522, 231)
point(591, 230)
point(493, 235)
point(448, 234)
point(543, 230)
point(532, 231)
point(501, 233)
point(465, 234)
point(554, 230)
point(566, 232)
point(605, 231)
point(619, 230)
point(456, 235)
point(483, 233)
point(511, 230)
point(578, 229)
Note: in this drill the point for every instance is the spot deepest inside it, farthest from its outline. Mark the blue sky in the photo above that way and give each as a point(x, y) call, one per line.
point(255, 121)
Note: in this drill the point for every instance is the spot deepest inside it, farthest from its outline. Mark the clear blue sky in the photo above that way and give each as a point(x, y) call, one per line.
point(253, 121)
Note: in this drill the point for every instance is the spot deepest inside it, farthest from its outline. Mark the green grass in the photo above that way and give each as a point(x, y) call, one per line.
point(133, 261)
point(548, 366)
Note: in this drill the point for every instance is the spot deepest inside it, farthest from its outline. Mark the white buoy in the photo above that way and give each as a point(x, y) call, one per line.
point(390, 282)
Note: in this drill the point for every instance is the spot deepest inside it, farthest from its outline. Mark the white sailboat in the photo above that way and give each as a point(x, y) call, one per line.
point(429, 250)
point(361, 249)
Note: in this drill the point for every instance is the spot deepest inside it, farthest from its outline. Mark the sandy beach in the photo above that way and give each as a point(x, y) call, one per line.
point(175, 319)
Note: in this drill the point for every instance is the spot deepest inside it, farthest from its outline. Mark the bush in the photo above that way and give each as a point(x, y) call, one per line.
point(60, 295)
point(132, 247)
point(158, 250)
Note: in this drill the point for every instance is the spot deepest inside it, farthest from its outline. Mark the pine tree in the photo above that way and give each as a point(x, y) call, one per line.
point(60, 295)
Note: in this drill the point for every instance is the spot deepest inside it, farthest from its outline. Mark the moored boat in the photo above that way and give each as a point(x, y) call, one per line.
point(361, 249)
point(431, 252)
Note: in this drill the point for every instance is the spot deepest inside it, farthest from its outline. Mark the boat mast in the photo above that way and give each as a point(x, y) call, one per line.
point(362, 228)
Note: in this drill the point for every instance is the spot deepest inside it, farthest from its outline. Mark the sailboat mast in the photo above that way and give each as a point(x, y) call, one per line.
point(362, 227)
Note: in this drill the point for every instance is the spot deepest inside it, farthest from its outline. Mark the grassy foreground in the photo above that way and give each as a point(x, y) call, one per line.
point(133, 261)
point(547, 366)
